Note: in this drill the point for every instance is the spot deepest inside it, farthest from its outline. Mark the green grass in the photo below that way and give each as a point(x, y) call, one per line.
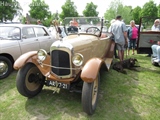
point(135, 96)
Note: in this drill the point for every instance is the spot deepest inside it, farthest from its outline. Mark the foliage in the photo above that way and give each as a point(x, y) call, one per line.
point(9, 9)
point(126, 14)
point(23, 20)
point(68, 10)
point(158, 7)
point(134, 96)
point(116, 8)
point(47, 22)
point(136, 14)
point(39, 10)
point(149, 9)
point(90, 10)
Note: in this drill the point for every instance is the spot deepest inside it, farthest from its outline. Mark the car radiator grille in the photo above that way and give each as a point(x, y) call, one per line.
point(60, 59)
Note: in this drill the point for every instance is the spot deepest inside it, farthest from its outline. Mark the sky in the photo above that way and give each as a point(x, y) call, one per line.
point(55, 5)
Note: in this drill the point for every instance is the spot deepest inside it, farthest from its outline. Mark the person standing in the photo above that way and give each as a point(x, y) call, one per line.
point(132, 36)
point(109, 30)
point(39, 22)
point(119, 30)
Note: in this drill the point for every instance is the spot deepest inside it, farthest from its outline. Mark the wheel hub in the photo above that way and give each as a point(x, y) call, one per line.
point(34, 78)
point(3, 68)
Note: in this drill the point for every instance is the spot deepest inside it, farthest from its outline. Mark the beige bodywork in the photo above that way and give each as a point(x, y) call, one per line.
point(97, 52)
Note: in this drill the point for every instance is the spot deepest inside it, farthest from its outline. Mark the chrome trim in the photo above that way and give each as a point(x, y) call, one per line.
point(58, 67)
point(66, 47)
point(61, 44)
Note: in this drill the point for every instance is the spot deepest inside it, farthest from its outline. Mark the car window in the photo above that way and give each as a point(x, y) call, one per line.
point(28, 32)
point(9, 32)
point(40, 31)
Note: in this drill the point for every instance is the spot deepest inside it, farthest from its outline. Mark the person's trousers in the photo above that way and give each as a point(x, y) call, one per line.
point(156, 51)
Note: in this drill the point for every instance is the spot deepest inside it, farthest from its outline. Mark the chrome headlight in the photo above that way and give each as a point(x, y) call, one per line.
point(77, 59)
point(42, 55)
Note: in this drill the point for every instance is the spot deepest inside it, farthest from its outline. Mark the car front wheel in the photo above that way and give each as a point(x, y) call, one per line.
point(29, 80)
point(90, 93)
point(5, 67)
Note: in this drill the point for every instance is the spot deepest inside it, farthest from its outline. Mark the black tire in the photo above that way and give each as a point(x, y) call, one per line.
point(90, 92)
point(29, 80)
point(6, 67)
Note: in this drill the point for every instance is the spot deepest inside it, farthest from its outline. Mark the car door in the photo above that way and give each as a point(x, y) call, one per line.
point(44, 38)
point(147, 37)
point(29, 41)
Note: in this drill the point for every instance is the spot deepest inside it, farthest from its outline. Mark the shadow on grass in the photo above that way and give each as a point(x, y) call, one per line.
point(57, 105)
point(117, 99)
point(114, 101)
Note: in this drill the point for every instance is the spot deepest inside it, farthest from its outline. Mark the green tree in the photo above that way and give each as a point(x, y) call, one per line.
point(68, 10)
point(149, 9)
point(116, 8)
point(158, 7)
point(90, 10)
point(126, 14)
point(48, 22)
point(39, 10)
point(136, 14)
point(9, 9)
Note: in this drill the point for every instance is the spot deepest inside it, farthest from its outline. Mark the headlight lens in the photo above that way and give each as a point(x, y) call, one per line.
point(42, 55)
point(77, 59)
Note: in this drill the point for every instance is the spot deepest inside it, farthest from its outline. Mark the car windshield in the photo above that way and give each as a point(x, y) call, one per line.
point(9, 33)
point(89, 25)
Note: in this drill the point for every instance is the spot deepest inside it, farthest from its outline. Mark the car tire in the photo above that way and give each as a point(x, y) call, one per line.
point(29, 80)
point(6, 67)
point(90, 93)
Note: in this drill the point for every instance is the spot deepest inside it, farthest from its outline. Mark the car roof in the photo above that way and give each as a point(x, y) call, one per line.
point(22, 25)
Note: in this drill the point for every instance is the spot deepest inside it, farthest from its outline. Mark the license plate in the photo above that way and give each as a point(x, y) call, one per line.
point(58, 84)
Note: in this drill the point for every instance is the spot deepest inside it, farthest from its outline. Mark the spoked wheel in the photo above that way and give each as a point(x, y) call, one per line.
point(5, 67)
point(29, 80)
point(90, 93)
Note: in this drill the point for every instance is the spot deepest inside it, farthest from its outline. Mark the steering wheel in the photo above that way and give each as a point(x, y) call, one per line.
point(93, 30)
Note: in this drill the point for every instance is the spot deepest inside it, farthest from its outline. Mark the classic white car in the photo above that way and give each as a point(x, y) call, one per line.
point(17, 39)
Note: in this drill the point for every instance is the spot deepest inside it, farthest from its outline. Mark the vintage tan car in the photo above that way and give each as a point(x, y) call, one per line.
point(17, 39)
point(74, 61)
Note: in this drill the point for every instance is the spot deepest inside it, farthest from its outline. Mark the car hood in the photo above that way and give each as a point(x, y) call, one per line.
point(80, 40)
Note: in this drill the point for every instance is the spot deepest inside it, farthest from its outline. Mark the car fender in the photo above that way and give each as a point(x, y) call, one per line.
point(21, 61)
point(91, 69)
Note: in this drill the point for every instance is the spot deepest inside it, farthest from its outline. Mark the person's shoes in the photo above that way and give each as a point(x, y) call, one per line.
point(157, 60)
